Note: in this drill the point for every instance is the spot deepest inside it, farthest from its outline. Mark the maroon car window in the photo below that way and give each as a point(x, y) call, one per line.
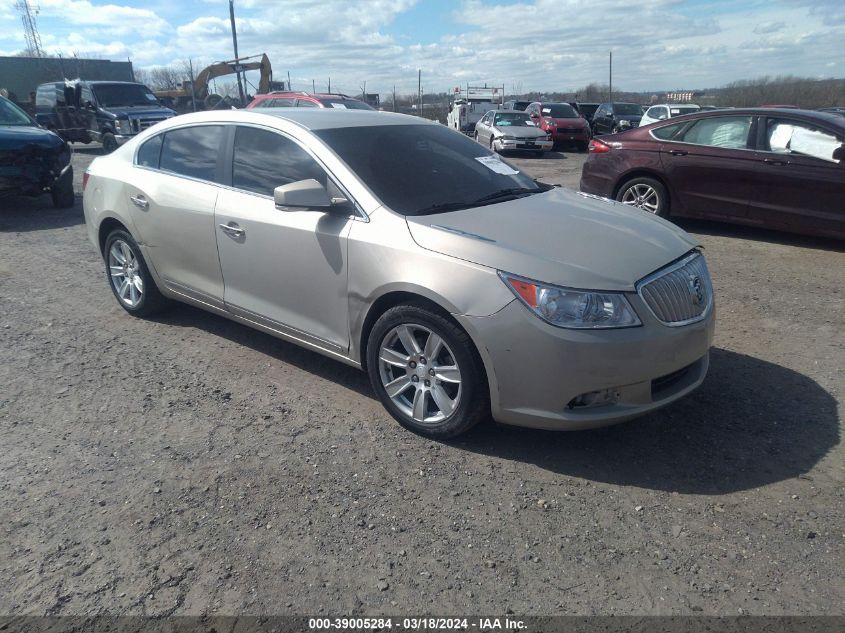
point(666, 132)
point(304, 103)
point(792, 137)
point(730, 132)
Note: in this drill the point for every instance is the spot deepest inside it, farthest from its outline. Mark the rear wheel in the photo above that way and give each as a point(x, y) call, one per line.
point(128, 276)
point(426, 372)
point(62, 190)
point(645, 193)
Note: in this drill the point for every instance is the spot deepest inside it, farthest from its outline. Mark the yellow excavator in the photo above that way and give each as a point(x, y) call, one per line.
point(183, 99)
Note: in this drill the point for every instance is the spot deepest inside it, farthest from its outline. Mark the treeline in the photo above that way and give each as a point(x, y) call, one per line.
point(800, 91)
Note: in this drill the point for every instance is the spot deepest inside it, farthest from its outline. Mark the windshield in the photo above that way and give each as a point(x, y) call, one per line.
point(348, 104)
point(627, 108)
point(588, 108)
point(559, 111)
point(10, 114)
point(512, 119)
point(424, 169)
point(115, 95)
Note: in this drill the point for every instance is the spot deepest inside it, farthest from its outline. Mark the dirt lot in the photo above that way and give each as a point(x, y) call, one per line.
point(191, 465)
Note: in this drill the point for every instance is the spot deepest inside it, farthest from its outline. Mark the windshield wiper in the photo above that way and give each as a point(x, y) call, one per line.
point(443, 207)
point(512, 192)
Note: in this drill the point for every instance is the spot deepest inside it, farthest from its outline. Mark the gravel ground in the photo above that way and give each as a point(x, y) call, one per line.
point(191, 465)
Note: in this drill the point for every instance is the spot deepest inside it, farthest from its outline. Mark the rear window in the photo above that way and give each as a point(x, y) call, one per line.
point(559, 111)
point(345, 104)
point(192, 151)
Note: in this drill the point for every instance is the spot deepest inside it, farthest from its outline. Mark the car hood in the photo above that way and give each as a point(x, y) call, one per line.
point(140, 111)
point(14, 137)
point(629, 117)
point(560, 237)
point(520, 132)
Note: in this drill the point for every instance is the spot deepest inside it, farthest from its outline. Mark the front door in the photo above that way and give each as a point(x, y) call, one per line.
point(285, 269)
point(710, 168)
point(800, 184)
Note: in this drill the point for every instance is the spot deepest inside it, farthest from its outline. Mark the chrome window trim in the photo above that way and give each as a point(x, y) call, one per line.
point(680, 263)
point(359, 213)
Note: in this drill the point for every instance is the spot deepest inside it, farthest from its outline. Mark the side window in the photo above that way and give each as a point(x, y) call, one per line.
point(86, 96)
point(666, 132)
point(264, 103)
point(192, 151)
point(658, 112)
point(730, 132)
point(264, 160)
point(283, 103)
point(150, 152)
point(304, 103)
point(793, 137)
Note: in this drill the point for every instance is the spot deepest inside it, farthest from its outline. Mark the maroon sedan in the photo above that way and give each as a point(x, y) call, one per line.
point(777, 168)
point(563, 122)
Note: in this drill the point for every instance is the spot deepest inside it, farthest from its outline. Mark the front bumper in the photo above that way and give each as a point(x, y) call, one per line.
point(523, 145)
point(537, 371)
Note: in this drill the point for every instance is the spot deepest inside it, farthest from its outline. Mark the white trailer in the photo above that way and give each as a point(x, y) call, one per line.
point(470, 103)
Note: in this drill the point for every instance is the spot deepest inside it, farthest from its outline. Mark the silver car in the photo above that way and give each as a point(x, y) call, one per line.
point(512, 130)
point(462, 286)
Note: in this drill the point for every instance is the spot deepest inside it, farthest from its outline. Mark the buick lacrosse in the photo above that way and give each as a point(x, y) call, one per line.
point(463, 287)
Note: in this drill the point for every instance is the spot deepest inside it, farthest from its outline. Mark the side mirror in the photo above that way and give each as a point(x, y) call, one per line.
point(89, 105)
point(839, 154)
point(306, 194)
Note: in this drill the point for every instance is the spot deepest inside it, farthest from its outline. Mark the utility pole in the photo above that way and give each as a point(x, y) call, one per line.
point(289, 80)
point(610, 74)
point(330, 85)
point(313, 87)
point(394, 97)
point(235, 44)
point(419, 89)
point(193, 91)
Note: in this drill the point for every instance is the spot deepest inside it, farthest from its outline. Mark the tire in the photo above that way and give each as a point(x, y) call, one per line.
point(493, 146)
point(149, 299)
point(467, 401)
point(637, 193)
point(475, 136)
point(62, 191)
point(109, 143)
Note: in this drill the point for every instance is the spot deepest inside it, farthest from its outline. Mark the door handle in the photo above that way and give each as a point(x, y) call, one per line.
point(140, 202)
point(678, 152)
point(232, 229)
point(775, 161)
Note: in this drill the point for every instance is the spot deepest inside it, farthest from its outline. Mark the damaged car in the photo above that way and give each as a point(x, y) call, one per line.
point(33, 160)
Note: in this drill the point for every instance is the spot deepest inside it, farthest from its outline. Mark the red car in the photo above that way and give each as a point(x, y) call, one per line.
point(562, 121)
point(307, 100)
point(777, 168)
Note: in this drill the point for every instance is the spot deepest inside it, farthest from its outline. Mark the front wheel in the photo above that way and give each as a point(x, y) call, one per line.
point(645, 193)
point(426, 372)
point(128, 276)
point(62, 190)
point(109, 143)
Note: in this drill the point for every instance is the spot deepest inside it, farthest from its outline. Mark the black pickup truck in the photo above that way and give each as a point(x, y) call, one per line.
point(33, 160)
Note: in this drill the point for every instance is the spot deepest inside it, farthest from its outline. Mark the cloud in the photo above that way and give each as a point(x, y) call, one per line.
point(769, 27)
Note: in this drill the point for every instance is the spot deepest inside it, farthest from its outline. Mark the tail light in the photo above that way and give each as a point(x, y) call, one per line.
point(85, 177)
point(598, 147)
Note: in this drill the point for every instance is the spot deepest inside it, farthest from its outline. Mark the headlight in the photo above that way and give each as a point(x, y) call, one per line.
point(507, 137)
point(547, 137)
point(124, 127)
point(550, 122)
point(624, 122)
point(576, 309)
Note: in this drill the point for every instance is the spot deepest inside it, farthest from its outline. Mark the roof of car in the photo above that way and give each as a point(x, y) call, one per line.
point(308, 118)
point(827, 117)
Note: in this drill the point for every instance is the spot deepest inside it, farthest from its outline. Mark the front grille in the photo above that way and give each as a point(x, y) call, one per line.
point(570, 130)
point(139, 125)
point(681, 293)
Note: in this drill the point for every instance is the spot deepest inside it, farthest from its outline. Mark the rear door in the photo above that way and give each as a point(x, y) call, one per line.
point(710, 167)
point(171, 198)
point(800, 185)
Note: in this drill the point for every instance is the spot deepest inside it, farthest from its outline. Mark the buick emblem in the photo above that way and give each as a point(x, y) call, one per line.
point(696, 289)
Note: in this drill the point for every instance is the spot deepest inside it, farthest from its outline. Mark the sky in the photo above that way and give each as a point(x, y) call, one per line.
point(530, 45)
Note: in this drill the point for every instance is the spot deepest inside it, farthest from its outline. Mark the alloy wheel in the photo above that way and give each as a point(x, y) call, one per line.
point(125, 273)
point(419, 373)
point(642, 196)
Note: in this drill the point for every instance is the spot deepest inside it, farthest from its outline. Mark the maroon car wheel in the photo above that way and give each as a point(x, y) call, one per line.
point(645, 193)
